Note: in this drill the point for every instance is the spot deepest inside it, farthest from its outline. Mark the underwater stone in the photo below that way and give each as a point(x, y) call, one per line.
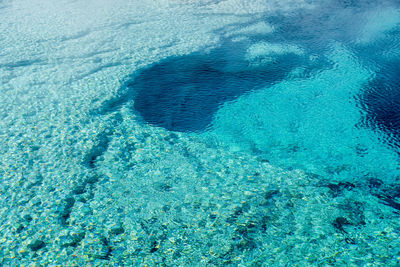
point(28, 217)
point(36, 245)
point(337, 189)
point(67, 209)
point(375, 183)
point(350, 240)
point(20, 228)
point(271, 193)
point(73, 239)
point(339, 222)
point(389, 201)
point(154, 247)
point(117, 230)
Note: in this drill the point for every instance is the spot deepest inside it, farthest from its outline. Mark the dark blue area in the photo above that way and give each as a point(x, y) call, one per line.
point(183, 93)
point(381, 101)
point(380, 98)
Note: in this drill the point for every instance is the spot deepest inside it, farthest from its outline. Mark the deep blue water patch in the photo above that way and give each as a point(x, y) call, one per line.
point(380, 98)
point(183, 93)
point(381, 101)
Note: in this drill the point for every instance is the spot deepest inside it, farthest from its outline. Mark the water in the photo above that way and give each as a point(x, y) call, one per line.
point(182, 94)
point(199, 133)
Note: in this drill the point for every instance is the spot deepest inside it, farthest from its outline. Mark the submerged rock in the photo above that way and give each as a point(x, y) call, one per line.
point(36, 245)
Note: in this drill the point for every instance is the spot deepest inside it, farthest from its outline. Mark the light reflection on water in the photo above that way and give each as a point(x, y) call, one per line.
point(186, 93)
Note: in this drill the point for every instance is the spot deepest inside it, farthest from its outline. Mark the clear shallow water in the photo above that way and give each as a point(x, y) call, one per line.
point(199, 133)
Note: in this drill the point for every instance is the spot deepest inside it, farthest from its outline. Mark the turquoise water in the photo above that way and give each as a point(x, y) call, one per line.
point(199, 133)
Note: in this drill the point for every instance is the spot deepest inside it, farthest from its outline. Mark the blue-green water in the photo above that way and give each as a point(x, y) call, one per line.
point(199, 133)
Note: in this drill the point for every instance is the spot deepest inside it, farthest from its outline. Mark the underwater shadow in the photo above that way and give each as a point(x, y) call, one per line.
point(381, 103)
point(183, 93)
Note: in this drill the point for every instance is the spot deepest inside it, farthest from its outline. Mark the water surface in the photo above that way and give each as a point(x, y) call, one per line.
point(199, 133)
